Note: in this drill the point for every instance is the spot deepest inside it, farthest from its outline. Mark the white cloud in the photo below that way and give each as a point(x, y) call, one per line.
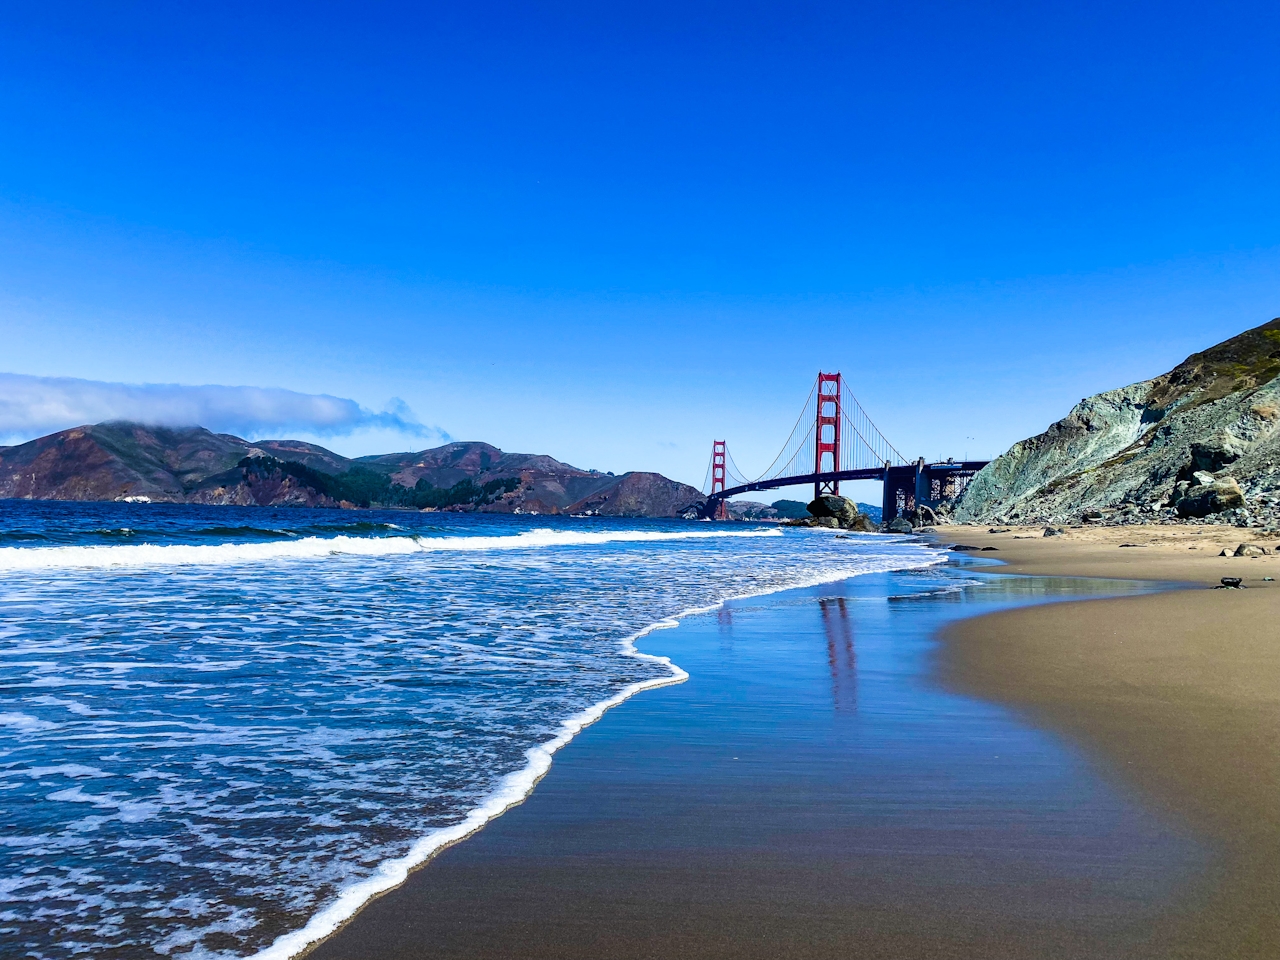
point(35, 406)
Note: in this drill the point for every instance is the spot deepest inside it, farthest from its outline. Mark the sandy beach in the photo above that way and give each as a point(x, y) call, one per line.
point(740, 815)
point(1176, 693)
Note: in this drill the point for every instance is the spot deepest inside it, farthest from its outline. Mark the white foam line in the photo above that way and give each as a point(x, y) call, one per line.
point(515, 787)
point(316, 548)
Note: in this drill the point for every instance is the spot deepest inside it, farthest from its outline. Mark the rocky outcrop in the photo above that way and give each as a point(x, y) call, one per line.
point(1200, 441)
point(837, 513)
point(1206, 494)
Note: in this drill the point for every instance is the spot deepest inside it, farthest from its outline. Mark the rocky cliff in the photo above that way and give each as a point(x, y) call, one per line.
point(1200, 442)
point(114, 461)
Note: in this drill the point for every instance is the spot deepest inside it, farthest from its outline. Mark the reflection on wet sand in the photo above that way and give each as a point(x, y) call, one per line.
point(841, 657)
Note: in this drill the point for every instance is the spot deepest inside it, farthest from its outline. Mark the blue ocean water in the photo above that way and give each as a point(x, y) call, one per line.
point(222, 726)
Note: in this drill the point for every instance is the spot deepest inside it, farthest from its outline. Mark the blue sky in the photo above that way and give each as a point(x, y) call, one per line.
point(613, 233)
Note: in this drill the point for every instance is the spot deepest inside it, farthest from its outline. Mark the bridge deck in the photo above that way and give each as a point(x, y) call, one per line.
point(869, 473)
point(875, 473)
point(908, 483)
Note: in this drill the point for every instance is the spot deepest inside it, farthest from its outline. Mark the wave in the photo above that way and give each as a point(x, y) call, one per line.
point(515, 787)
point(315, 548)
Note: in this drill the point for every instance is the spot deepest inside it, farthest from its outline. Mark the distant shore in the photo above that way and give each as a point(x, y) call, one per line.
point(1176, 694)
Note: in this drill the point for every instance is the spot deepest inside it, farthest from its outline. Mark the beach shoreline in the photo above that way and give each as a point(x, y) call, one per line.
point(513, 790)
point(1176, 693)
point(627, 849)
point(334, 716)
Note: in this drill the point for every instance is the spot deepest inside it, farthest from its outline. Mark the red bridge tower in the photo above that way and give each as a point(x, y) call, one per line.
point(718, 477)
point(827, 438)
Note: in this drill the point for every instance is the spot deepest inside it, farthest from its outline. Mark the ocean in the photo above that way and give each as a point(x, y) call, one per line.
point(224, 729)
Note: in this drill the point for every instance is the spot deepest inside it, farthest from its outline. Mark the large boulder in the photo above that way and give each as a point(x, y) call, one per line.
point(1215, 453)
point(841, 510)
point(899, 525)
point(832, 506)
point(862, 524)
point(1205, 495)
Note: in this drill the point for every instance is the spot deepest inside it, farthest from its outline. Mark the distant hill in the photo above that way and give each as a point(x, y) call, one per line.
point(1202, 440)
point(119, 460)
point(790, 509)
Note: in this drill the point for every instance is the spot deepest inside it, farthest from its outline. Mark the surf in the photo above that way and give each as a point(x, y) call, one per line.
point(101, 556)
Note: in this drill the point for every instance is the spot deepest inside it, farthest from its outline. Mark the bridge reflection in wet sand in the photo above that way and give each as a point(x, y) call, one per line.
point(841, 655)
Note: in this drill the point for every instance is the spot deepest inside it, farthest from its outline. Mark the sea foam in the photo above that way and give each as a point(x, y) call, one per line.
point(516, 786)
point(225, 752)
point(317, 548)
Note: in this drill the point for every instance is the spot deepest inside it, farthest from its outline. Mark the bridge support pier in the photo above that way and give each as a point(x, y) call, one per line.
point(901, 487)
point(923, 484)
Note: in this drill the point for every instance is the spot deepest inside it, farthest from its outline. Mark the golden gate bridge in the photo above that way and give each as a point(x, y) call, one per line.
point(835, 440)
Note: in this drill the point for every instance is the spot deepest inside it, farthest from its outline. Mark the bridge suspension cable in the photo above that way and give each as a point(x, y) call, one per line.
point(844, 425)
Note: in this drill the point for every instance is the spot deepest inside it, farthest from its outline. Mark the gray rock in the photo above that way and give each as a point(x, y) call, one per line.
point(899, 525)
point(1218, 411)
point(1205, 499)
point(831, 506)
point(843, 511)
point(1250, 550)
point(1216, 452)
point(1053, 532)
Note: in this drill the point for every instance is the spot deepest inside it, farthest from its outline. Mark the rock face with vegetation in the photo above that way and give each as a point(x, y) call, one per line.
point(114, 461)
point(1201, 442)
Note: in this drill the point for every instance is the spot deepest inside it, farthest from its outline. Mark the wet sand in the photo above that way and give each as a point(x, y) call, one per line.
point(1175, 693)
point(812, 792)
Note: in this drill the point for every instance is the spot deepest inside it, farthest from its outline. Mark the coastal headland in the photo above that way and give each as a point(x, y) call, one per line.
point(142, 463)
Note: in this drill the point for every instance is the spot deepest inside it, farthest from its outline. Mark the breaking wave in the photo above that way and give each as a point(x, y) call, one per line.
point(315, 548)
point(516, 786)
point(227, 748)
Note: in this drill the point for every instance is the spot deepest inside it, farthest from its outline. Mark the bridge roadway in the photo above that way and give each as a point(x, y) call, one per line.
point(874, 473)
point(905, 487)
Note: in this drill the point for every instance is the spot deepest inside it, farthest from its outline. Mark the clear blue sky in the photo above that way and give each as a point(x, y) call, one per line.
point(614, 233)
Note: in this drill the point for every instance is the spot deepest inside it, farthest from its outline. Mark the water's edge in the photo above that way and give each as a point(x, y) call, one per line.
point(517, 786)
